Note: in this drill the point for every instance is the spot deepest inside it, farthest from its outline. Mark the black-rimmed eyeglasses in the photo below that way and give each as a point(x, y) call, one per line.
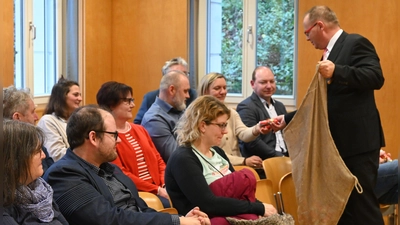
point(128, 100)
point(115, 133)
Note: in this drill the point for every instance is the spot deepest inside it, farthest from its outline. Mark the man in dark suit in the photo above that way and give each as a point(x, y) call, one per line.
point(261, 106)
point(150, 97)
point(89, 189)
point(353, 72)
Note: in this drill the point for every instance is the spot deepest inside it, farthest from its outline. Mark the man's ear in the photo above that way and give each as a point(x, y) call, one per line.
point(92, 137)
point(16, 116)
point(171, 89)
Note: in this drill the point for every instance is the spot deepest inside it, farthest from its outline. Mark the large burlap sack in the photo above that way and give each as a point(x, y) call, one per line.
point(322, 180)
point(275, 219)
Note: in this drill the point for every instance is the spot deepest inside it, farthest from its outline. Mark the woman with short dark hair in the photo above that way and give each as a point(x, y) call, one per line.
point(138, 157)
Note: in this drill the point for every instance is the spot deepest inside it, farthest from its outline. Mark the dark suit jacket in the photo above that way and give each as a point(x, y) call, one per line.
point(47, 161)
point(353, 117)
point(84, 198)
point(150, 97)
point(251, 111)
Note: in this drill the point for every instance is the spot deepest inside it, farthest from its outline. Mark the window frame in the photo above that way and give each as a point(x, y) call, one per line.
point(27, 48)
point(248, 53)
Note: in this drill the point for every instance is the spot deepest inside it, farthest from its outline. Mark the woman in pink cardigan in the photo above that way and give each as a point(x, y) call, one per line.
point(138, 158)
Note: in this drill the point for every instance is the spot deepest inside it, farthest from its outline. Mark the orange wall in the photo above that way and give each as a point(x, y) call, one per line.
point(146, 34)
point(129, 42)
point(379, 22)
point(97, 45)
point(7, 42)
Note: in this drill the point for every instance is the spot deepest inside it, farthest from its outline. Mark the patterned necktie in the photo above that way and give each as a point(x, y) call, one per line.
point(325, 55)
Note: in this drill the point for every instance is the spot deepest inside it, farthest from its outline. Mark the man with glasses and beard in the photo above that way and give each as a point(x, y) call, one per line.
point(90, 190)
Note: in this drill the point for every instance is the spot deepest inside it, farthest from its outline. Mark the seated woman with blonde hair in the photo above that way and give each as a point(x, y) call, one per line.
point(214, 84)
point(28, 199)
point(200, 174)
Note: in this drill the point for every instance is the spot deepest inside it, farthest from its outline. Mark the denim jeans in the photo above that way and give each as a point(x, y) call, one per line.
point(386, 188)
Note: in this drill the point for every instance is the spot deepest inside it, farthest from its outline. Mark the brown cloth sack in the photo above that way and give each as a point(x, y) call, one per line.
point(323, 182)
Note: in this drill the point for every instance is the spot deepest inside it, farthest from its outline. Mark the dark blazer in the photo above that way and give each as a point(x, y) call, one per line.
point(251, 111)
point(150, 97)
point(47, 161)
point(84, 198)
point(353, 117)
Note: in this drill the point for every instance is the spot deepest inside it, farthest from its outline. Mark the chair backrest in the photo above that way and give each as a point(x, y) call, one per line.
point(275, 168)
point(151, 200)
point(288, 190)
point(264, 192)
point(168, 210)
point(239, 167)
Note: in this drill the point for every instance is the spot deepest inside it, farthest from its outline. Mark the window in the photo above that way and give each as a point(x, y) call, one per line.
point(38, 44)
point(235, 36)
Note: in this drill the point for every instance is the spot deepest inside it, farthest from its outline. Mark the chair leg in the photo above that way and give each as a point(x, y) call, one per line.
point(393, 216)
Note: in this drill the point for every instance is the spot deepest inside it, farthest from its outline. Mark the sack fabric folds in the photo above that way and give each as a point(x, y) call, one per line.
point(323, 182)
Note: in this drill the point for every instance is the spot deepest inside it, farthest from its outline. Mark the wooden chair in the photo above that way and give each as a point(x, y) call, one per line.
point(288, 190)
point(168, 210)
point(155, 203)
point(151, 200)
point(275, 168)
point(239, 167)
point(264, 192)
point(389, 213)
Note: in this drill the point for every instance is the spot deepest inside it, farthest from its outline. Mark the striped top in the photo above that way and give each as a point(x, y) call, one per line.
point(143, 170)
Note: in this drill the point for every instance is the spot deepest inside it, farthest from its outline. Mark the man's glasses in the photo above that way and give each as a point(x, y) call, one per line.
point(128, 100)
point(222, 126)
point(115, 133)
point(307, 32)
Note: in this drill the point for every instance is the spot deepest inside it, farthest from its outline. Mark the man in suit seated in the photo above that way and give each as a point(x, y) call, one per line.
point(89, 189)
point(19, 105)
point(149, 98)
point(261, 106)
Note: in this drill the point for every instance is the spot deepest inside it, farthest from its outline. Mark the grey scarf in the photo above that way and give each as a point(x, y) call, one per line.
point(36, 198)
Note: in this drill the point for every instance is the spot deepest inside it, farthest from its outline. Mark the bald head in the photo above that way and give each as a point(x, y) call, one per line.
point(174, 89)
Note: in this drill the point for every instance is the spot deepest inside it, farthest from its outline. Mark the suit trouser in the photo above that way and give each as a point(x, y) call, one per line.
point(363, 209)
point(387, 189)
